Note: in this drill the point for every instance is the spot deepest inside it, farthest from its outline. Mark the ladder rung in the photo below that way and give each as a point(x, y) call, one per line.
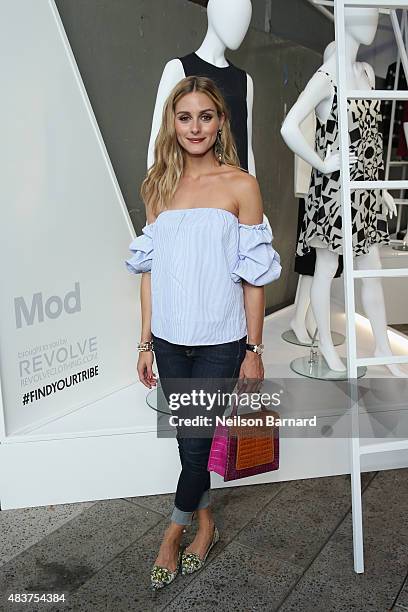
point(373, 361)
point(330, 3)
point(381, 447)
point(377, 94)
point(391, 4)
point(400, 201)
point(398, 163)
point(382, 273)
point(390, 185)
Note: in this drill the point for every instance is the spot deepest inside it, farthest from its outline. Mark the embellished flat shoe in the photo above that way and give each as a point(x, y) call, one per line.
point(162, 576)
point(191, 562)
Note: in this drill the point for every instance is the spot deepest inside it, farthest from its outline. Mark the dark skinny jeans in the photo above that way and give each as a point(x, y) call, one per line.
point(209, 362)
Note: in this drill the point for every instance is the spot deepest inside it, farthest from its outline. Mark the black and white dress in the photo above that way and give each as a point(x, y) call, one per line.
point(322, 218)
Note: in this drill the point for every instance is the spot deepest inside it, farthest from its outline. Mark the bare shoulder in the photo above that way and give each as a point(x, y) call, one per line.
point(239, 180)
point(247, 195)
point(246, 182)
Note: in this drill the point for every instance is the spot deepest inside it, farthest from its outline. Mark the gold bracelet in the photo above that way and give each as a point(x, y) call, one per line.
point(145, 346)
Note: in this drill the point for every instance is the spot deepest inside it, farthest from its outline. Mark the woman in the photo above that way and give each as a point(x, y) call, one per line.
point(209, 255)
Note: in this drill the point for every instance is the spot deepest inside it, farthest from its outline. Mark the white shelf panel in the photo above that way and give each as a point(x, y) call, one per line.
point(390, 185)
point(374, 361)
point(382, 273)
point(377, 94)
point(377, 4)
point(384, 447)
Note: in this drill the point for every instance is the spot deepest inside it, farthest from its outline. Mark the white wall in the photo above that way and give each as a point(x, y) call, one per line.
point(64, 230)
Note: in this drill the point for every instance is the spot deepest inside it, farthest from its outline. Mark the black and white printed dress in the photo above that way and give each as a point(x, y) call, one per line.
point(322, 218)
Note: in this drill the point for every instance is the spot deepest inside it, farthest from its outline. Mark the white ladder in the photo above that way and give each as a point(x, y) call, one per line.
point(402, 164)
point(356, 449)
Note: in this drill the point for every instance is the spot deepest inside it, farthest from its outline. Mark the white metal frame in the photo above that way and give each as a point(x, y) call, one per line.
point(401, 201)
point(349, 273)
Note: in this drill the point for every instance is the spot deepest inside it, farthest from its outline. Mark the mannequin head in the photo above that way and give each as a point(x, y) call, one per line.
point(230, 20)
point(362, 24)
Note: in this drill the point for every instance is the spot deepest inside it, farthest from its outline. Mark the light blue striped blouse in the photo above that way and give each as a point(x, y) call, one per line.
point(197, 258)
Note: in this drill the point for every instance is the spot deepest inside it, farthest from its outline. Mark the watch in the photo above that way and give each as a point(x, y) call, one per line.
point(255, 348)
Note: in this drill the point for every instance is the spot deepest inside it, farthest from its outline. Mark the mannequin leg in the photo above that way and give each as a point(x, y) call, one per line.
point(372, 297)
point(298, 323)
point(311, 322)
point(326, 266)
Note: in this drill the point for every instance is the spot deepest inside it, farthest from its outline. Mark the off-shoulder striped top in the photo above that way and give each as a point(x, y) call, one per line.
point(198, 258)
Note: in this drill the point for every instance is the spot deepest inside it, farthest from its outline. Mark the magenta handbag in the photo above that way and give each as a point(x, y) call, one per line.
point(239, 451)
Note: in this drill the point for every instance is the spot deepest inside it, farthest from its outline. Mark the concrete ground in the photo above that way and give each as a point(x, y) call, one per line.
point(284, 546)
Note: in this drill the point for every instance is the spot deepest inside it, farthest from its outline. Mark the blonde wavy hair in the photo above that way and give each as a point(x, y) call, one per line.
point(162, 179)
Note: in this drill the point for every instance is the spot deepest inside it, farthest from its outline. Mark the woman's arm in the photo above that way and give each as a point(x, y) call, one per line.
point(146, 307)
point(146, 358)
point(146, 294)
point(251, 213)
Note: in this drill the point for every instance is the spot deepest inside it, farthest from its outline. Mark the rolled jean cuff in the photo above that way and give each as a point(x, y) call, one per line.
point(204, 501)
point(185, 518)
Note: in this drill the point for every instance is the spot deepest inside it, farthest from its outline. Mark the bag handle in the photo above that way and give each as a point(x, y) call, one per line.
point(234, 410)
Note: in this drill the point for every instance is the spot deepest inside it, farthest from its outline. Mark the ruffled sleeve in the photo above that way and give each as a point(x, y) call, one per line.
point(258, 262)
point(142, 251)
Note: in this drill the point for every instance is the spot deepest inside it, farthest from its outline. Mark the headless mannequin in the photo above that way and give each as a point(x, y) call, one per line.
point(228, 23)
point(361, 27)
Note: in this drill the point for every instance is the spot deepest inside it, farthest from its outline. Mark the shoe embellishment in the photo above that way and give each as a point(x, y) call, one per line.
point(162, 576)
point(191, 562)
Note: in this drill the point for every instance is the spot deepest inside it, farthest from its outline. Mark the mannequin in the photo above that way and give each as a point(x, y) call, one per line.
point(228, 23)
point(303, 323)
point(361, 27)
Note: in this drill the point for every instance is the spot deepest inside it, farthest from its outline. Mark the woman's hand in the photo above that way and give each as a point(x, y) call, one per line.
point(251, 374)
point(389, 205)
point(145, 369)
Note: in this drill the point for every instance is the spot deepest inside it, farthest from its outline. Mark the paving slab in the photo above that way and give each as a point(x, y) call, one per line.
point(296, 524)
point(330, 583)
point(23, 527)
point(402, 600)
point(69, 556)
point(239, 578)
